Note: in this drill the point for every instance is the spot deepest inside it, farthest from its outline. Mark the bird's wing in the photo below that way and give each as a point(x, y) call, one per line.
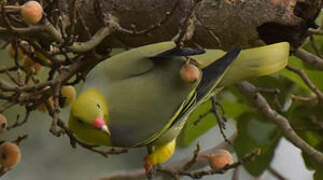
point(211, 77)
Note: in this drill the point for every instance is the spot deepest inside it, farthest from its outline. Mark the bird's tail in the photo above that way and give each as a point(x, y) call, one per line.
point(257, 62)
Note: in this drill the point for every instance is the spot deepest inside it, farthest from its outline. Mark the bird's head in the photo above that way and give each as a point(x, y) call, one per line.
point(90, 109)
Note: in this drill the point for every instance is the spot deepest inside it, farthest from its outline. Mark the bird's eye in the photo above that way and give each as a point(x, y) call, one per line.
point(98, 105)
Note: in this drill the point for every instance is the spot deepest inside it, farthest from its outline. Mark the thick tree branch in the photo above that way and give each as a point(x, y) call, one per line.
point(223, 18)
point(231, 22)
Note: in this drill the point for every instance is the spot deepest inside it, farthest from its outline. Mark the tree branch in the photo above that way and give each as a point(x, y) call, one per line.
point(309, 58)
point(250, 91)
point(307, 81)
point(199, 162)
point(277, 174)
point(96, 39)
point(231, 22)
point(315, 32)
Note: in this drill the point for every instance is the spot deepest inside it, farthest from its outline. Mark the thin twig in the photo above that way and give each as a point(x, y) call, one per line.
point(20, 139)
point(55, 112)
point(311, 99)
point(190, 163)
point(4, 170)
point(235, 174)
point(275, 173)
point(187, 26)
point(201, 117)
point(220, 119)
point(309, 58)
point(4, 70)
point(20, 123)
point(315, 32)
point(171, 166)
point(74, 141)
point(307, 81)
point(200, 174)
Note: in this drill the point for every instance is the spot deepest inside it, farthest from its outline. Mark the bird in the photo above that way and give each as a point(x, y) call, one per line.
point(137, 98)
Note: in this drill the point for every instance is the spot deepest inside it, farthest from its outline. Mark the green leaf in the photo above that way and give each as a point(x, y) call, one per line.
point(233, 109)
point(319, 19)
point(255, 132)
point(281, 100)
point(318, 175)
point(191, 132)
point(318, 40)
point(316, 78)
point(303, 118)
point(314, 75)
point(313, 165)
point(295, 62)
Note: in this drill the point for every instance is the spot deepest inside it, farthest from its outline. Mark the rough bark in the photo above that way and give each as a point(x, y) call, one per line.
point(218, 23)
point(244, 22)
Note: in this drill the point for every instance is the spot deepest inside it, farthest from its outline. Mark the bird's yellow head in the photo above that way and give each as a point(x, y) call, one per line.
point(90, 109)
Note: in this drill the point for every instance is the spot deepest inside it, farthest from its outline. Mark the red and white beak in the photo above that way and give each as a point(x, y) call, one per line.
point(100, 124)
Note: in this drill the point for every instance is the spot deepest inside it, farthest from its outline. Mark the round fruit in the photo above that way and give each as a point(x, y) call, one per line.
point(10, 154)
point(31, 12)
point(42, 107)
point(3, 123)
point(69, 94)
point(220, 159)
point(190, 73)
